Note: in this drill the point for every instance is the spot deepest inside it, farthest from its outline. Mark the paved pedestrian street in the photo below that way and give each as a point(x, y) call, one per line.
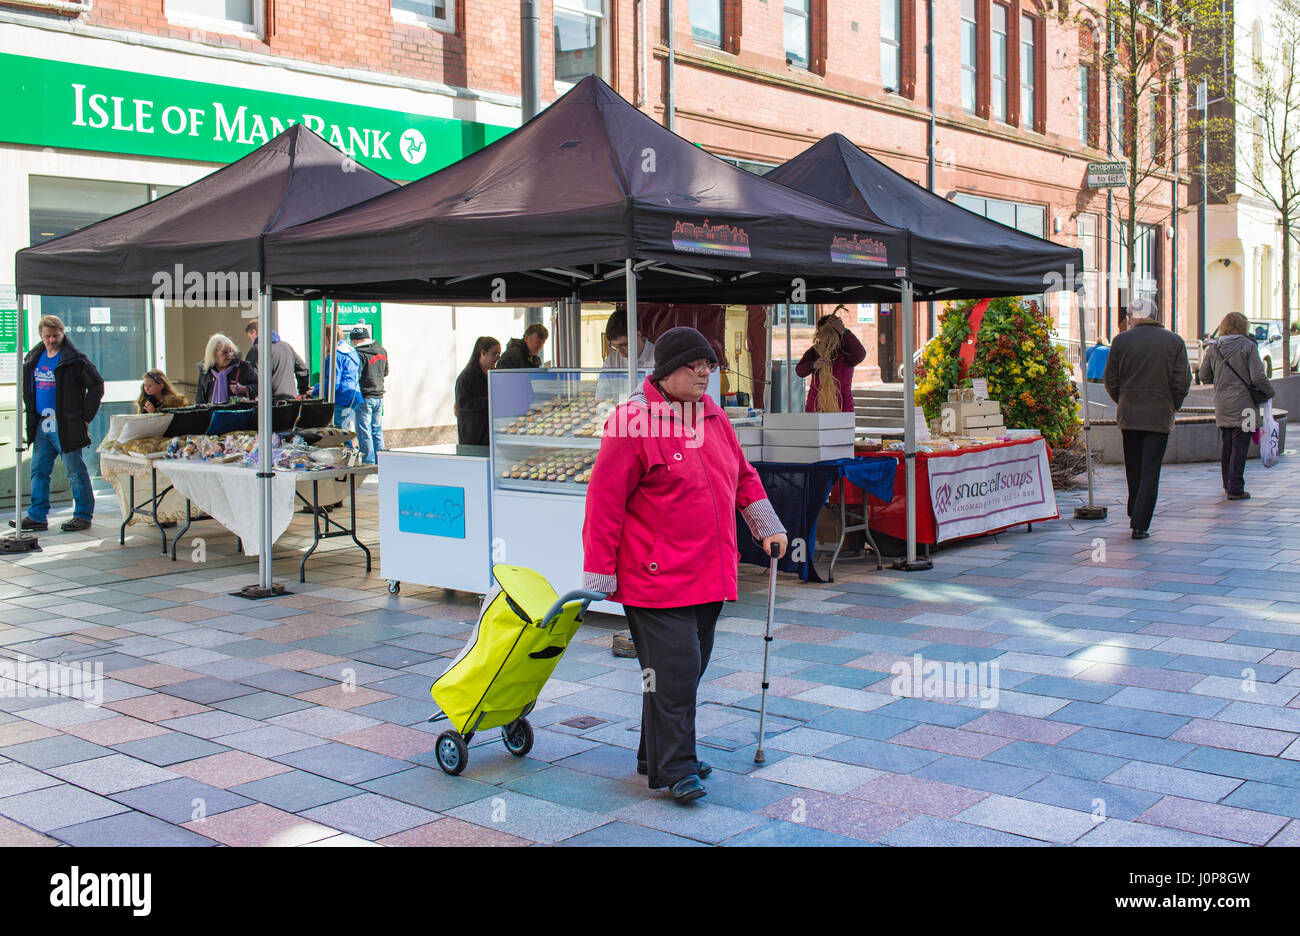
point(1062, 686)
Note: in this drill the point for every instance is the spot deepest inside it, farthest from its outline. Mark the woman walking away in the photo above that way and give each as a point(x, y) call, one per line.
point(157, 393)
point(834, 353)
point(1232, 363)
point(472, 393)
point(223, 375)
point(660, 537)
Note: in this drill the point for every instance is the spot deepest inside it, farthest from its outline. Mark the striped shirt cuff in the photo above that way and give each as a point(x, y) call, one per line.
point(762, 519)
point(594, 581)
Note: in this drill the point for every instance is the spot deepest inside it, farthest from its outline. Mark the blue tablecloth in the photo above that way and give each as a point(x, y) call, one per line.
point(798, 492)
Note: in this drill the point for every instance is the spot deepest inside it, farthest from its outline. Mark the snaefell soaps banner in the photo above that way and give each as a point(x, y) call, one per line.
point(976, 492)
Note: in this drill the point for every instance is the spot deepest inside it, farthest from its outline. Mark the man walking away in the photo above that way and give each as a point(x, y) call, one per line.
point(61, 394)
point(1147, 375)
point(370, 414)
point(524, 352)
point(289, 374)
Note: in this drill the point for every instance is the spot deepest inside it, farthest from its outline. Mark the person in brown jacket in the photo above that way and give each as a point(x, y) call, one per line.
point(1233, 365)
point(1147, 375)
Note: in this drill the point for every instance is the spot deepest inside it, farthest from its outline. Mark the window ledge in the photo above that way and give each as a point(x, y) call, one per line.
point(408, 18)
point(224, 27)
point(74, 7)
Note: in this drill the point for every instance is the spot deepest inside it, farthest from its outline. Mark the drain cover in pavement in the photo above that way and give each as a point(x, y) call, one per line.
point(584, 722)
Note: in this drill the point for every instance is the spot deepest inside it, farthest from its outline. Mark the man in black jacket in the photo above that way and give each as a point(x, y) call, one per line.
point(1147, 375)
point(61, 394)
point(370, 414)
point(289, 374)
point(525, 352)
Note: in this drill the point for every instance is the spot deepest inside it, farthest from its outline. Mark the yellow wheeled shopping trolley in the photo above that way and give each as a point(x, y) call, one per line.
point(521, 635)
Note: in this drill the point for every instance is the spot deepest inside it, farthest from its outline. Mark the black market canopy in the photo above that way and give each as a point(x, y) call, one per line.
point(204, 241)
point(557, 206)
point(956, 254)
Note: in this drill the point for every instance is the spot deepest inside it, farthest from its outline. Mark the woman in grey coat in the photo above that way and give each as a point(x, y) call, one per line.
point(1232, 364)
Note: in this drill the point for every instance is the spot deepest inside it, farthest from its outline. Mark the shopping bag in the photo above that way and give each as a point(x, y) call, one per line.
point(1270, 442)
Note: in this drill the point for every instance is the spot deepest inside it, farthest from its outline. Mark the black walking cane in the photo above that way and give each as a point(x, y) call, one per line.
point(774, 550)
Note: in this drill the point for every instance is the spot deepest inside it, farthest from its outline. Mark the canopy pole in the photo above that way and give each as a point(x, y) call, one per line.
point(911, 563)
point(264, 588)
point(1090, 512)
point(787, 378)
point(633, 329)
point(765, 402)
point(331, 343)
point(17, 541)
point(575, 330)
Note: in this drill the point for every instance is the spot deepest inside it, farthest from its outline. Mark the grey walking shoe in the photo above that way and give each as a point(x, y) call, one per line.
point(75, 525)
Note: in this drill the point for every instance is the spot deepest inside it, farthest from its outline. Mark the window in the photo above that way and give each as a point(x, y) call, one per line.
point(242, 17)
point(1119, 129)
point(891, 45)
point(800, 314)
point(1157, 128)
point(1085, 84)
point(969, 51)
point(706, 22)
point(1032, 219)
point(798, 32)
point(1146, 271)
point(999, 58)
point(1087, 233)
point(1027, 55)
point(749, 165)
point(440, 14)
point(580, 45)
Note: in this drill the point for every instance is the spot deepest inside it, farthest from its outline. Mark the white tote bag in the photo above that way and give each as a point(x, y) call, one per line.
point(1270, 442)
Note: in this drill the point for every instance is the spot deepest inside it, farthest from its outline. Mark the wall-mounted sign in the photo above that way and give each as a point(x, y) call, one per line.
point(1108, 174)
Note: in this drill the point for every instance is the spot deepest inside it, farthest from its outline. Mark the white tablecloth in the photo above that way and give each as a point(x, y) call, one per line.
point(229, 493)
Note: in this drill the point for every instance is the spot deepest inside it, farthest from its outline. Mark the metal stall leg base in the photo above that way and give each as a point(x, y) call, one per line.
point(912, 565)
point(1090, 513)
point(19, 544)
point(257, 592)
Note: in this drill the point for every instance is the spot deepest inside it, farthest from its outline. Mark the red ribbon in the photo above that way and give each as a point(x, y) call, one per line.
point(967, 353)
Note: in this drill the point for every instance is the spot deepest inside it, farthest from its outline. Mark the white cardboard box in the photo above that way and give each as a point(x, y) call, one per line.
point(752, 453)
point(808, 421)
point(749, 435)
point(982, 422)
point(806, 454)
point(819, 437)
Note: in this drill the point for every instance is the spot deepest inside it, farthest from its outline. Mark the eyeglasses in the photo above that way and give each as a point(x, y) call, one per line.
point(619, 345)
point(703, 368)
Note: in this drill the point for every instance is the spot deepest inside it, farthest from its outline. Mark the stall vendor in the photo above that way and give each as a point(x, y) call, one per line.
point(472, 393)
point(223, 375)
point(830, 361)
point(616, 338)
point(157, 393)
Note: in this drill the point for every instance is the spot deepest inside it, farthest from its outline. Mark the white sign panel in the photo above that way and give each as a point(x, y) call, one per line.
point(1108, 174)
point(981, 388)
point(866, 313)
point(977, 492)
point(100, 315)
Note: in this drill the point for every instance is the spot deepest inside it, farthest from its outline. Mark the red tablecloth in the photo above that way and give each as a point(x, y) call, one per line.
point(891, 518)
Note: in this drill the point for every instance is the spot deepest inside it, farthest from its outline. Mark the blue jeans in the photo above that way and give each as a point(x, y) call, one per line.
point(370, 429)
point(345, 418)
point(45, 449)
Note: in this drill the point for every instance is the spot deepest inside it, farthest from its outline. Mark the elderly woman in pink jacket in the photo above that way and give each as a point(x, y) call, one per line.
point(660, 537)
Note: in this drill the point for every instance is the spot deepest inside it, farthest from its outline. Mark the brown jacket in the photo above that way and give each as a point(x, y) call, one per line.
point(1148, 376)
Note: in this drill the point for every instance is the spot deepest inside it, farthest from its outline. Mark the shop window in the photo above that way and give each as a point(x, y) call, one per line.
point(969, 56)
point(706, 22)
point(798, 32)
point(241, 17)
point(800, 314)
point(437, 14)
point(998, 66)
point(1033, 67)
point(581, 43)
point(1032, 219)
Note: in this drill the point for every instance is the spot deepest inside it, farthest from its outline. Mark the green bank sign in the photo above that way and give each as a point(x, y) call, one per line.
point(72, 106)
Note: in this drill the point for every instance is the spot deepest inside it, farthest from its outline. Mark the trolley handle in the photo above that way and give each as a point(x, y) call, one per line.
point(586, 597)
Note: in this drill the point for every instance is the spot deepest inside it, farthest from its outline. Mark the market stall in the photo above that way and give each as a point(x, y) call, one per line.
point(202, 245)
point(967, 490)
point(591, 199)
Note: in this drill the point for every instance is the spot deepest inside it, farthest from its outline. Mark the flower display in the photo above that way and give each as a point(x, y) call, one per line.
point(1015, 355)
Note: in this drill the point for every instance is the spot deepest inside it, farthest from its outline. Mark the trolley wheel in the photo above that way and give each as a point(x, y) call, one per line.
point(518, 737)
point(452, 752)
point(394, 587)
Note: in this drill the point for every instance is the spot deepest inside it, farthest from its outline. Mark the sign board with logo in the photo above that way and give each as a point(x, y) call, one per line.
point(66, 104)
point(9, 343)
point(977, 492)
point(369, 314)
point(1108, 174)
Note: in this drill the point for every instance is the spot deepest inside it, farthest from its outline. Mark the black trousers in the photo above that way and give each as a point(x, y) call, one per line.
point(1143, 453)
point(673, 646)
point(1233, 446)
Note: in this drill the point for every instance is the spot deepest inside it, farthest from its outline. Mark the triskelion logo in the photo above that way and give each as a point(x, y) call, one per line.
point(78, 889)
point(412, 146)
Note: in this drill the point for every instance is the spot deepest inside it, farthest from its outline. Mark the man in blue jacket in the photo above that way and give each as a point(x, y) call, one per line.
point(347, 384)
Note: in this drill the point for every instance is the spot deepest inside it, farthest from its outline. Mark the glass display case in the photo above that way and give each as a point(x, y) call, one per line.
point(546, 425)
